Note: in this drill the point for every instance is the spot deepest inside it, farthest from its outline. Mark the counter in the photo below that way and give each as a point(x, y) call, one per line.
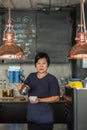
point(14, 99)
point(14, 111)
point(19, 99)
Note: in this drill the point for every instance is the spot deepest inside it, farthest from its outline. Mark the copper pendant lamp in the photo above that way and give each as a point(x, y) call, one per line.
point(79, 50)
point(10, 50)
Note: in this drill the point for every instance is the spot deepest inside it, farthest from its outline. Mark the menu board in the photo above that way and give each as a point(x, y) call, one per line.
point(1, 29)
point(25, 28)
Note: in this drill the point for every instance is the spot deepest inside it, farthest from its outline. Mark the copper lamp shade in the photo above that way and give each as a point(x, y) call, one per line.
point(10, 50)
point(79, 50)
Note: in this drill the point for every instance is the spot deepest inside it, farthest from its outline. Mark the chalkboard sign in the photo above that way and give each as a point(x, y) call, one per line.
point(25, 27)
point(1, 28)
point(54, 34)
point(2, 21)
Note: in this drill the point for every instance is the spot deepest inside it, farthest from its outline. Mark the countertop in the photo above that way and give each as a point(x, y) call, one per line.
point(14, 99)
point(21, 99)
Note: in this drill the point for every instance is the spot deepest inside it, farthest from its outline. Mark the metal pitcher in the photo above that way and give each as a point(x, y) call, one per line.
point(25, 90)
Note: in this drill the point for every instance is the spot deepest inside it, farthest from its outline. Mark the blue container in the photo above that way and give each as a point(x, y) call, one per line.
point(11, 76)
point(17, 76)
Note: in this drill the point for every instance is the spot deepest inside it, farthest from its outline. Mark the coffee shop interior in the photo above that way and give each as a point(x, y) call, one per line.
point(57, 27)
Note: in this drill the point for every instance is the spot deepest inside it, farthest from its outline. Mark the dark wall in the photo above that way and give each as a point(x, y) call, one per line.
point(54, 34)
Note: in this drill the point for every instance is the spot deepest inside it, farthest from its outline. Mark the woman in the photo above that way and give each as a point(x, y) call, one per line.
point(45, 86)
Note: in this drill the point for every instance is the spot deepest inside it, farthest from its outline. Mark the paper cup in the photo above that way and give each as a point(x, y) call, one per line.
point(33, 98)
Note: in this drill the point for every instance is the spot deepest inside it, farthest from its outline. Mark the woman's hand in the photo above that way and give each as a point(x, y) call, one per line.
point(34, 101)
point(20, 86)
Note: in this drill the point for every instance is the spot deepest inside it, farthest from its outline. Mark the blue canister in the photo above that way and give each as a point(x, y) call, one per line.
point(11, 76)
point(22, 77)
point(17, 76)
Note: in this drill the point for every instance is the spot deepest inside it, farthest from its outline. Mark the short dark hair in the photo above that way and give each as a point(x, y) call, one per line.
point(42, 55)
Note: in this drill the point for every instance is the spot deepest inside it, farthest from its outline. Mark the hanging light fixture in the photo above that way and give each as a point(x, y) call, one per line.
point(79, 50)
point(10, 50)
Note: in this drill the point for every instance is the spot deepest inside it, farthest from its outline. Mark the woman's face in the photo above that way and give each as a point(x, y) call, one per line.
point(42, 65)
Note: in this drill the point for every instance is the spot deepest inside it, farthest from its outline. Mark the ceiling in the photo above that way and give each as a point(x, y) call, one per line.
point(39, 4)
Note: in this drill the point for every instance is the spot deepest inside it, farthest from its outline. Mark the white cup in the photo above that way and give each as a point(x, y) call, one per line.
point(33, 98)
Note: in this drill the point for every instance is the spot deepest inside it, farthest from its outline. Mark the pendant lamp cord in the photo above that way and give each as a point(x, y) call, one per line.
point(83, 10)
point(9, 12)
point(81, 15)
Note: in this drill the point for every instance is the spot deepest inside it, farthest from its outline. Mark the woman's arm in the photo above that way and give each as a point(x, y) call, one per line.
point(46, 100)
point(49, 99)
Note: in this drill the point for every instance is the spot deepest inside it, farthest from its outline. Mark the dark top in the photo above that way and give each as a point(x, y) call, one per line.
point(44, 87)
